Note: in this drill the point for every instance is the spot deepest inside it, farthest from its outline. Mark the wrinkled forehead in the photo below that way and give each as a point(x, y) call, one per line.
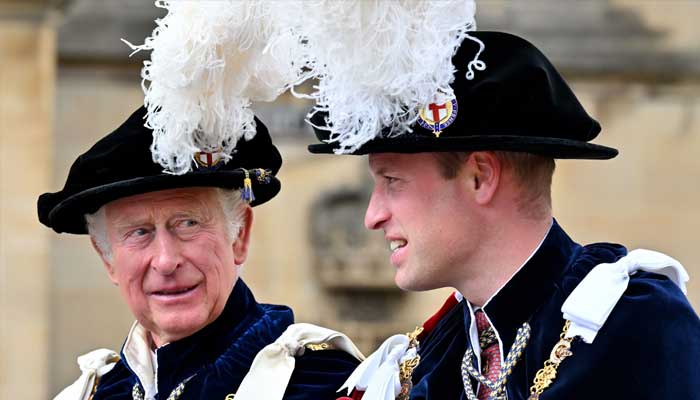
point(193, 200)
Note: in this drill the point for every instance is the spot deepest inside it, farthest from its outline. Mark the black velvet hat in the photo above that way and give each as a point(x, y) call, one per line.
point(121, 165)
point(518, 103)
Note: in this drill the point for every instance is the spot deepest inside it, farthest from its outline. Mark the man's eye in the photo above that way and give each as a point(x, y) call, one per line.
point(390, 179)
point(188, 223)
point(138, 232)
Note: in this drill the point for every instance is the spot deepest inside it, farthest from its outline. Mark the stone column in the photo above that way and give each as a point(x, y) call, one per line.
point(27, 76)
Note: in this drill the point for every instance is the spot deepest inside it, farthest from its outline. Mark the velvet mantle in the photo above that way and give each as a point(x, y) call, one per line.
point(219, 356)
point(648, 348)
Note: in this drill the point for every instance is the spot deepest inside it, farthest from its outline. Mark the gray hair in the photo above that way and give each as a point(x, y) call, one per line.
point(231, 204)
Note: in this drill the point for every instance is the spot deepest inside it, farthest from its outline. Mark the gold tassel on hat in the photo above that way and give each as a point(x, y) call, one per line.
point(247, 192)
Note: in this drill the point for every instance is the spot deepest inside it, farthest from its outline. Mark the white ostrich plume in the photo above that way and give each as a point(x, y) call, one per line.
point(209, 60)
point(378, 62)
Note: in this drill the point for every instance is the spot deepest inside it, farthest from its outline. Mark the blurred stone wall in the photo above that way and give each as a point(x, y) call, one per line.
point(634, 65)
point(27, 86)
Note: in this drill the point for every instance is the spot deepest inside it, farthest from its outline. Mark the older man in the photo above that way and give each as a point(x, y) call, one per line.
point(174, 246)
point(464, 201)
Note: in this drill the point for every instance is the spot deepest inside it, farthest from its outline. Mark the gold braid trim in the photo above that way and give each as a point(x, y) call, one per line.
point(406, 368)
point(318, 347)
point(114, 360)
point(545, 376)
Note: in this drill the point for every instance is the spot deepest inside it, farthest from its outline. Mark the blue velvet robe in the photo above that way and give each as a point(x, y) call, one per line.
point(219, 356)
point(649, 348)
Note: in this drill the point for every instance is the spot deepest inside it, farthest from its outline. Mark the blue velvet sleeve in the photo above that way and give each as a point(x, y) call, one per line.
point(658, 334)
point(319, 374)
point(116, 384)
point(649, 348)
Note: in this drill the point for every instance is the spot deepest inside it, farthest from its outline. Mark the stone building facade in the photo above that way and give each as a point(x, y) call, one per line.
point(65, 80)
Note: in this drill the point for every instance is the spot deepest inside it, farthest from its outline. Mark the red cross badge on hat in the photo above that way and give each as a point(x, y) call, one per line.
point(208, 160)
point(436, 117)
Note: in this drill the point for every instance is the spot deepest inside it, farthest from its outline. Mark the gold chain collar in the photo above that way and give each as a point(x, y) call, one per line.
point(545, 376)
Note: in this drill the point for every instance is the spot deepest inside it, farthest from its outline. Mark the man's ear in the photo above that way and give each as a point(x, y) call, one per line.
point(106, 261)
point(484, 174)
point(240, 245)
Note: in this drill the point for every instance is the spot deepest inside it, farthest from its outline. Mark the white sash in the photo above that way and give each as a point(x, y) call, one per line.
point(93, 366)
point(273, 366)
point(592, 301)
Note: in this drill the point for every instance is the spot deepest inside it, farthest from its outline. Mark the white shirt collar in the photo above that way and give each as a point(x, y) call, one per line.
point(473, 332)
point(142, 359)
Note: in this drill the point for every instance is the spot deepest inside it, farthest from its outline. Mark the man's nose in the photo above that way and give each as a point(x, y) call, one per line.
point(166, 257)
point(376, 214)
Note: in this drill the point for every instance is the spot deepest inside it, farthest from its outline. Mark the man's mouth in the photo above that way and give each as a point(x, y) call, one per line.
point(174, 292)
point(397, 244)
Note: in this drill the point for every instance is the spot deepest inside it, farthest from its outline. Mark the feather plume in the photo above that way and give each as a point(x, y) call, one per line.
point(209, 60)
point(378, 62)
